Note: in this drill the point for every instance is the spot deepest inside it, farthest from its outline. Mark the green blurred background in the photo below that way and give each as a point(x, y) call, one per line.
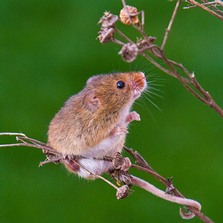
point(48, 49)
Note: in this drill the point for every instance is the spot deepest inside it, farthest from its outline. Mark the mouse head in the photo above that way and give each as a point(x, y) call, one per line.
point(112, 92)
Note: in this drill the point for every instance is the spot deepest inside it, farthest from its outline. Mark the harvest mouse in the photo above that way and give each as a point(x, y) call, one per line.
point(93, 123)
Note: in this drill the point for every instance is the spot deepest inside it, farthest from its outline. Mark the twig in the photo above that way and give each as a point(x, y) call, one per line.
point(54, 157)
point(95, 175)
point(170, 24)
point(195, 210)
point(154, 54)
point(145, 167)
point(195, 3)
point(159, 193)
point(168, 184)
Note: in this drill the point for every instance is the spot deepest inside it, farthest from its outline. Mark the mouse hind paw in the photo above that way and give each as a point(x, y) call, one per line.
point(122, 163)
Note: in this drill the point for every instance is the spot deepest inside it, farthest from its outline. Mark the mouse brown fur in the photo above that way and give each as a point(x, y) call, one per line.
point(94, 122)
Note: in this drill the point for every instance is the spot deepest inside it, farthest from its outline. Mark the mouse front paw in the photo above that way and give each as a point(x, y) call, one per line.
point(132, 116)
point(118, 130)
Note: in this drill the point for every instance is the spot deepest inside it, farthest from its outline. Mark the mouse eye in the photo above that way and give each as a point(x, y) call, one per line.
point(120, 84)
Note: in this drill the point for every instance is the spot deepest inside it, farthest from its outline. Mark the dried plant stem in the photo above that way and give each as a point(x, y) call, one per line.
point(143, 166)
point(96, 176)
point(159, 193)
point(54, 156)
point(170, 24)
point(154, 54)
point(196, 206)
point(28, 142)
point(168, 184)
point(203, 95)
point(213, 4)
point(204, 7)
point(123, 3)
point(156, 64)
point(124, 36)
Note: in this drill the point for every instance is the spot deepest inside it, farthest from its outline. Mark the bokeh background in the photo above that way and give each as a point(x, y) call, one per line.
point(48, 49)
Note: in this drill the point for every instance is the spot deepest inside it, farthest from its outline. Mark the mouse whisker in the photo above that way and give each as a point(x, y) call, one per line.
point(155, 105)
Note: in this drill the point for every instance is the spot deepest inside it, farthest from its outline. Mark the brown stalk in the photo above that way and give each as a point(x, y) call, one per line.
point(154, 54)
point(143, 166)
point(171, 195)
point(215, 11)
point(170, 24)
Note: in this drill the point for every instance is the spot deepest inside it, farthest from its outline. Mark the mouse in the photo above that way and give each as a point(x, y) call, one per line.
point(93, 124)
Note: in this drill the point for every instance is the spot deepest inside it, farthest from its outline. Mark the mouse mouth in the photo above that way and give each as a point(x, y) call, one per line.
point(138, 87)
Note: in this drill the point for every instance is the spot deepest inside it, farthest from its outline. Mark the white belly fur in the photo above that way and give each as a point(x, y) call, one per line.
point(96, 167)
point(107, 147)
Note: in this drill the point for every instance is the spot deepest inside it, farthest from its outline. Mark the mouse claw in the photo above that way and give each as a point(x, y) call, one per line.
point(132, 116)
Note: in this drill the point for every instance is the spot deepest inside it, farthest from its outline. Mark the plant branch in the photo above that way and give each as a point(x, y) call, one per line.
point(215, 12)
point(159, 193)
point(155, 55)
point(170, 24)
point(172, 194)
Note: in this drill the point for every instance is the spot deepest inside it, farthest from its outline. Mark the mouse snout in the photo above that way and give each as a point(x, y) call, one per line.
point(139, 84)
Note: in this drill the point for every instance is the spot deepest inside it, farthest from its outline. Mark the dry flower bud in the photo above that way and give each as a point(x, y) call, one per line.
point(129, 15)
point(129, 52)
point(108, 20)
point(122, 192)
point(145, 43)
point(106, 34)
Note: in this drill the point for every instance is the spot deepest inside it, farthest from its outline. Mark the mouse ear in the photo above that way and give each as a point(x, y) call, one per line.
point(91, 101)
point(91, 79)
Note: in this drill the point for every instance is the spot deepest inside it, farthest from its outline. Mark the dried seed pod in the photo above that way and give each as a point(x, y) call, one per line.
point(122, 192)
point(108, 20)
point(129, 52)
point(129, 15)
point(145, 43)
point(106, 34)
